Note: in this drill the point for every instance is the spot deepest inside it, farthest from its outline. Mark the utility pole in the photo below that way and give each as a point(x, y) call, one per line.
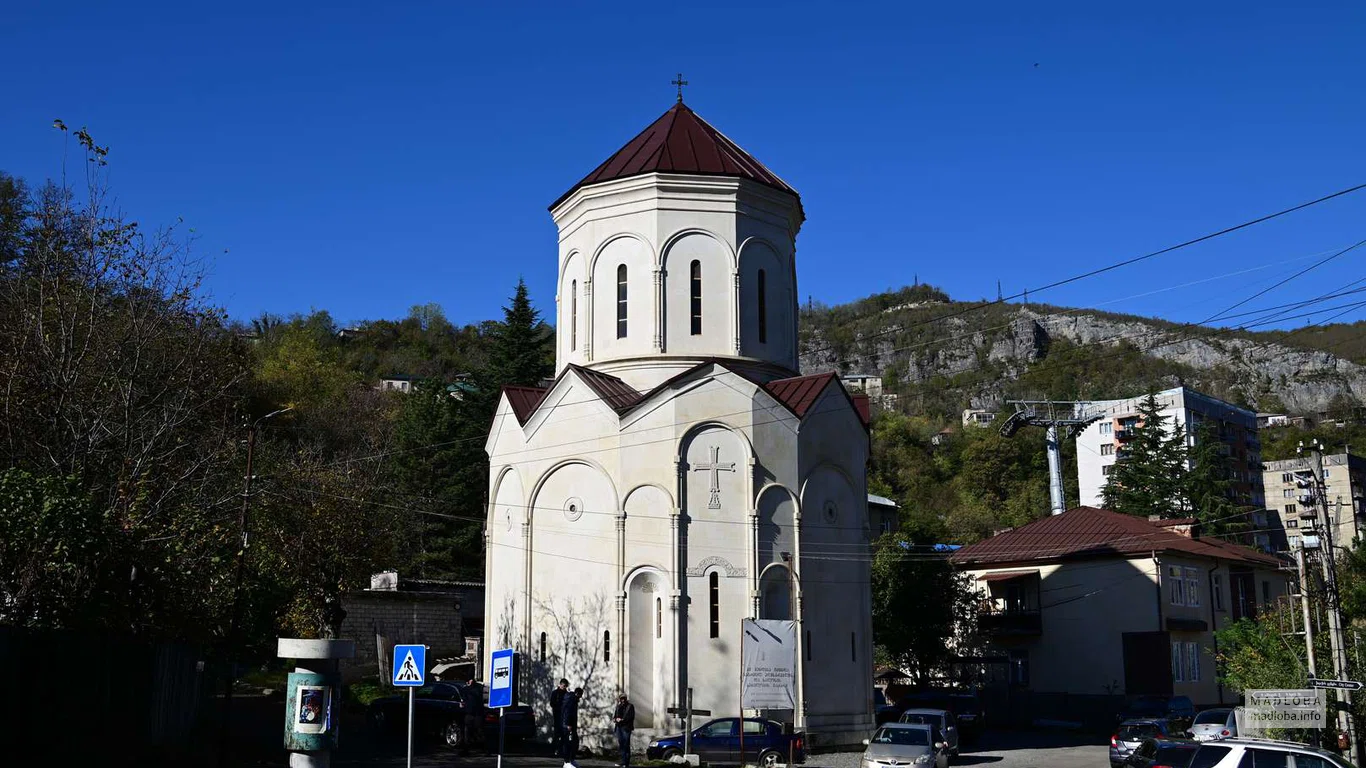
point(1335, 636)
point(1304, 607)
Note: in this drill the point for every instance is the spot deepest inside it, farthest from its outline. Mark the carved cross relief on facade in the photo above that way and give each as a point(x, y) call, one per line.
point(715, 467)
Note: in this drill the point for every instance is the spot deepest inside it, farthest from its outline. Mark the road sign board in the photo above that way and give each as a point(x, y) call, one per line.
point(410, 665)
point(502, 680)
point(1340, 685)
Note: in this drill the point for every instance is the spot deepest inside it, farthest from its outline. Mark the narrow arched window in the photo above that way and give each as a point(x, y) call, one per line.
point(542, 646)
point(715, 582)
point(621, 301)
point(659, 617)
point(763, 308)
point(573, 315)
point(606, 645)
point(695, 296)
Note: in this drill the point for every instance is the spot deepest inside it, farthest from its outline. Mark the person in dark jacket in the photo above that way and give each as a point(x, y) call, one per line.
point(556, 711)
point(623, 722)
point(569, 719)
point(474, 714)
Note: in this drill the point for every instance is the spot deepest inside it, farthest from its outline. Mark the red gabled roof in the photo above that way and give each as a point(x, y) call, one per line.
point(524, 401)
point(799, 392)
point(1091, 532)
point(681, 142)
point(616, 393)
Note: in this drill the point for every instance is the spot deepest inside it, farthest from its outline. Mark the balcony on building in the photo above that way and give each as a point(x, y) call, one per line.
point(1011, 604)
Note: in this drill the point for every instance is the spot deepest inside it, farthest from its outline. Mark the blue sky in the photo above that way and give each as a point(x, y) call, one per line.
point(366, 158)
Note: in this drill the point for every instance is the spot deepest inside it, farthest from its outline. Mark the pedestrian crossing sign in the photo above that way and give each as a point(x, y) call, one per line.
point(410, 665)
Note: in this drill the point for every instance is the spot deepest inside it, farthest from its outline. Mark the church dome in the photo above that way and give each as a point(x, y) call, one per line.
point(679, 248)
point(680, 141)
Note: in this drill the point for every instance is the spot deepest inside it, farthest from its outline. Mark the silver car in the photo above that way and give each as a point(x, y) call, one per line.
point(939, 718)
point(905, 745)
point(1214, 724)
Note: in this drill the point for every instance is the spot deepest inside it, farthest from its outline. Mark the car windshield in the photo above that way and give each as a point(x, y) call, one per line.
point(1212, 716)
point(1137, 731)
point(1175, 755)
point(913, 737)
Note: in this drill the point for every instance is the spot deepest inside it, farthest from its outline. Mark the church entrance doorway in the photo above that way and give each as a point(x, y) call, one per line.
point(645, 626)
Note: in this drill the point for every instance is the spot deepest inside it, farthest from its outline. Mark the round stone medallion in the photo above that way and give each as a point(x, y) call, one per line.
point(573, 509)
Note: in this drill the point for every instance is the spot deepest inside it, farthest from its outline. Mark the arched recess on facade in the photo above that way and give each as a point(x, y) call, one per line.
point(779, 588)
point(697, 313)
point(777, 509)
point(648, 529)
point(648, 633)
point(495, 496)
point(673, 239)
point(535, 494)
point(607, 242)
point(703, 426)
point(767, 301)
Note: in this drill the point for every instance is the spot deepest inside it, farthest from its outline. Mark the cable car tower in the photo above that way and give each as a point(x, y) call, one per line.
point(1052, 415)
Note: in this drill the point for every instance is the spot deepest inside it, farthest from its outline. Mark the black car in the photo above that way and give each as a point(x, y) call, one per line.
point(1178, 711)
point(439, 712)
point(718, 742)
point(1162, 753)
point(883, 710)
point(965, 705)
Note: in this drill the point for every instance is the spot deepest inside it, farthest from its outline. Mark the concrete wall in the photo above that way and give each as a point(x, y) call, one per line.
point(435, 619)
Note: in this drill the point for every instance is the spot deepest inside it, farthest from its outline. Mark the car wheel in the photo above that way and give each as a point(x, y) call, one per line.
point(671, 753)
point(770, 759)
point(453, 734)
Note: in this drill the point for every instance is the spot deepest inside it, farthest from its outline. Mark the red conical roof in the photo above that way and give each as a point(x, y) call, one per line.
point(681, 142)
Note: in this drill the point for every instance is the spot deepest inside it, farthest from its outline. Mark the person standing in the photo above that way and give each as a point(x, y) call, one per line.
point(569, 719)
point(474, 715)
point(624, 721)
point(556, 711)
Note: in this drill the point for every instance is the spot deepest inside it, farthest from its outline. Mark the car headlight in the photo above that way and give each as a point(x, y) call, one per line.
point(654, 743)
point(923, 759)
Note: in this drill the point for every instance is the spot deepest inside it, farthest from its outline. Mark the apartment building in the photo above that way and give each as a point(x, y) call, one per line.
point(1344, 478)
point(1102, 443)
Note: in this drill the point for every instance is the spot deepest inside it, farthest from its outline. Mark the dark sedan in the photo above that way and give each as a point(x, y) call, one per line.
point(1162, 753)
point(439, 712)
point(1130, 735)
point(718, 741)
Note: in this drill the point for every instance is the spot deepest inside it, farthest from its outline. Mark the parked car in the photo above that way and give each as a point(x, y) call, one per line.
point(1131, 733)
point(1231, 753)
point(941, 720)
point(883, 710)
point(439, 712)
point(972, 717)
point(1214, 724)
point(1177, 710)
point(718, 741)
point(1162, 753)
point(905, 744)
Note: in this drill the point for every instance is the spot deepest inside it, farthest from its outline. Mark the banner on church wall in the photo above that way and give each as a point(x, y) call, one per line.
point(768, 663)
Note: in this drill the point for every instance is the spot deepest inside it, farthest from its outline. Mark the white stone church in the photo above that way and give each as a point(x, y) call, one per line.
point(679, 475)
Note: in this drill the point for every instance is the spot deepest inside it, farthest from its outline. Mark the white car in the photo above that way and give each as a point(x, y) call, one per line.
point(1214, 725)
point(1263, 753)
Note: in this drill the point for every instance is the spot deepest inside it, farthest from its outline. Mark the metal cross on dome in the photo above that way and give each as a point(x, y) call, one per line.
point(715, 467)
point(680, 82)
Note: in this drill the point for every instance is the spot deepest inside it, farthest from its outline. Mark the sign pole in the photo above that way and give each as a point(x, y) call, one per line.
point(742, 692)
point(410, 727)
point(687, 732)
point(502, 729)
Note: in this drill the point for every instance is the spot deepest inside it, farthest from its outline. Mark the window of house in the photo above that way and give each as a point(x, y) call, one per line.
point(853, 646)
point(1287, 477)
point(762, 285)
point(695, 296)
point(1327, 473)
point(1107, 427)
point(1292, 523)
point(1014, 598)
point(715, 588)
point(1217, 586)
point(1019, 666)
point(1291, 511)
point(621, 301)
point(1178, 668)
point(1176, 585)
point(606, 645)
point(1107, 469)
point(542, 646)
point(659, 617)
point(1193, 662)
point(573, 315)
point(1288, 493)
point(808, 645)
point(1107, 449)
point(1266, 591)
point(1193, 587)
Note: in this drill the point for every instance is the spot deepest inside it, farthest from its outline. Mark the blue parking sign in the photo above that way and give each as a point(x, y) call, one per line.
point(410, 665)
point(502, 679)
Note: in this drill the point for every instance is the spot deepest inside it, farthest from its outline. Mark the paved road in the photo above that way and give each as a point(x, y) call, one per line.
point(1006, 749)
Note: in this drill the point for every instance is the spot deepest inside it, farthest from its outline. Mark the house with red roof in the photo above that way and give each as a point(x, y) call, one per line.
point(680, 474)
point(1091, 605)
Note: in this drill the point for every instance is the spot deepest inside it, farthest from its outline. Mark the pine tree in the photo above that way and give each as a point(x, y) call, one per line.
point(521, 344)
point(1147, 479)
